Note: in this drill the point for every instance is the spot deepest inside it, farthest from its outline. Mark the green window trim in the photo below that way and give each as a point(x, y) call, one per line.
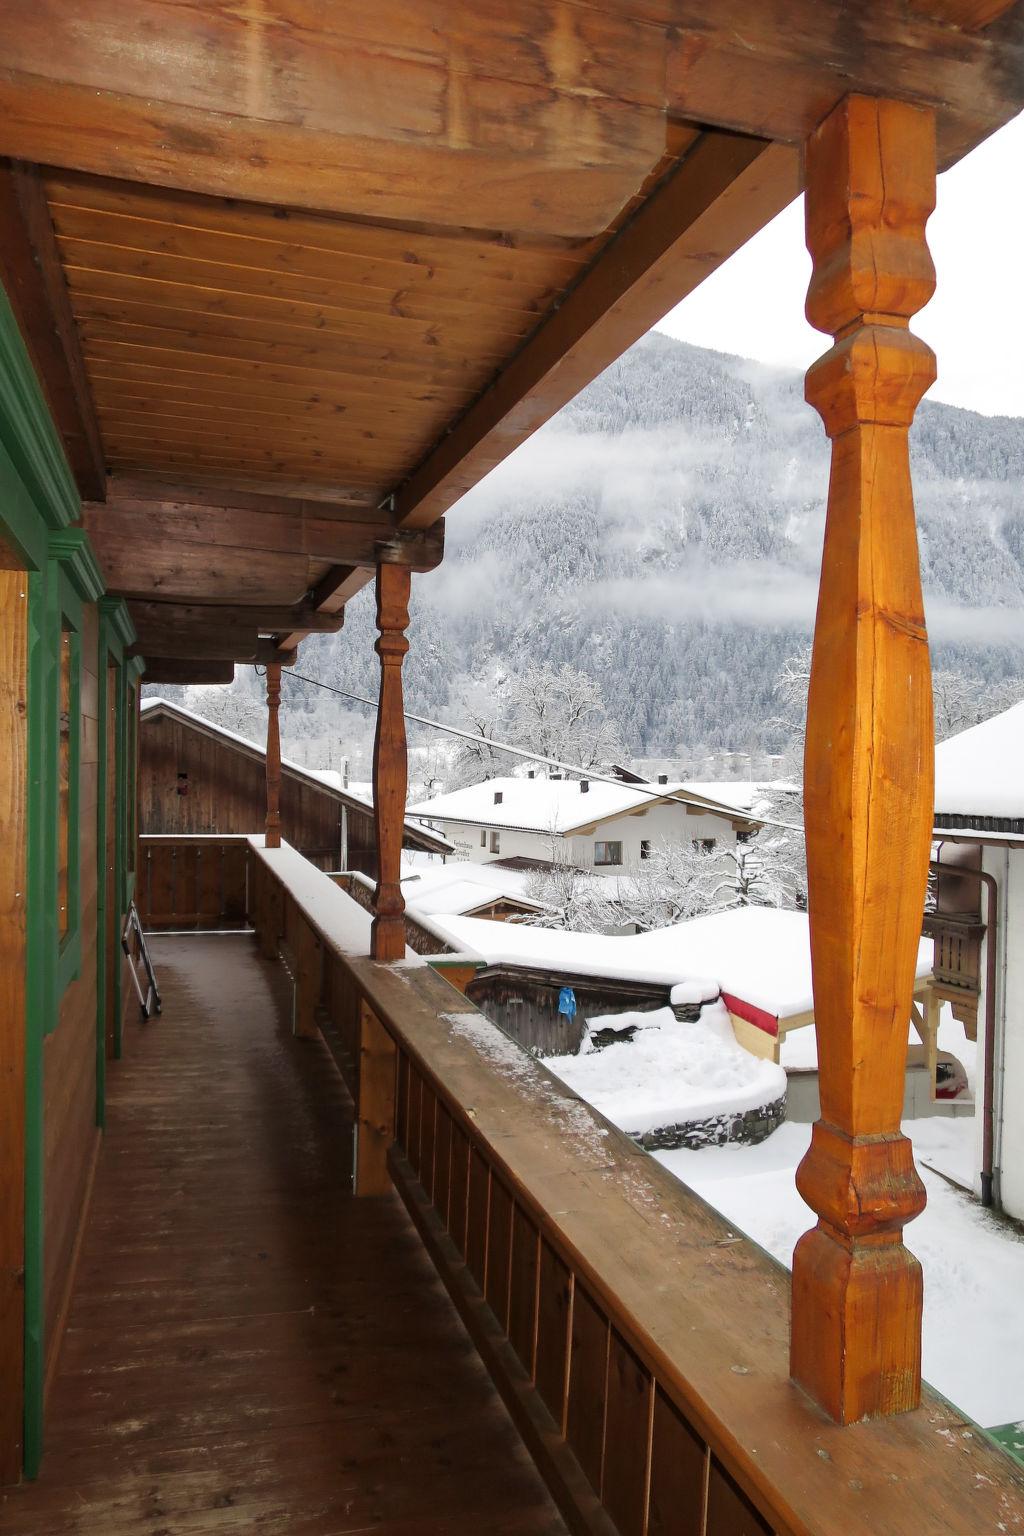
point(31, 443)
point(117, 633)
point(67, 617)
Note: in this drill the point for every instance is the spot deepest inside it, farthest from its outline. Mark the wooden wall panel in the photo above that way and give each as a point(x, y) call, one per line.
point(69, 1053)
point(554, 1300)
point(226, 793)
point(678, 1471)
point(588, 1379)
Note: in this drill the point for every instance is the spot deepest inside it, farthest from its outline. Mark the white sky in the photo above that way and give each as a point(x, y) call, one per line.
point(754, 305)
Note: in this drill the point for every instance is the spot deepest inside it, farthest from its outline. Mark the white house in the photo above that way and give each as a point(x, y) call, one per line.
point(596, 825)
point(979, 933)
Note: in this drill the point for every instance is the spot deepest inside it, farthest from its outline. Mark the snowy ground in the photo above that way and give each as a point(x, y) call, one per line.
point(973, 1264)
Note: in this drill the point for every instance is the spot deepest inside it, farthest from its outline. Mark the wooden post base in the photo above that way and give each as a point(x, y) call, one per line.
point(855, 1279)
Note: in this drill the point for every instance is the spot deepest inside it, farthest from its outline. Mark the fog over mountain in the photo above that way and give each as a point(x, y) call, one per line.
point(664, 534)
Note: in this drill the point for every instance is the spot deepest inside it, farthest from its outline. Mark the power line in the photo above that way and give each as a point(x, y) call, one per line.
point(534, 757)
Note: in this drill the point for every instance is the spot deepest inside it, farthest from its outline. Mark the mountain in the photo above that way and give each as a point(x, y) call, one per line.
point(664, 534)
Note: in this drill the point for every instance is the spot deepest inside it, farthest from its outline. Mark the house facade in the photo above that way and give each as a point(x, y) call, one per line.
point(592, 824)
point(978, 926)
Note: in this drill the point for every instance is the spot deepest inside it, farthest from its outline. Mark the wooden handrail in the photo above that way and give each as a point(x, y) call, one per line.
point(640, 1342)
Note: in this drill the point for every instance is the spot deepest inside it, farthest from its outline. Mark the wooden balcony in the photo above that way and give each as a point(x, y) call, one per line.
point(249, 1348)
point(254, 1346)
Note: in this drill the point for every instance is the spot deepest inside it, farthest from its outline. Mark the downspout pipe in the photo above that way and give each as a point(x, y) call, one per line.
point(989, 1065)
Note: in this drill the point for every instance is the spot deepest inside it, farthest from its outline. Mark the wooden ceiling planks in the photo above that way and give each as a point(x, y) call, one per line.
point(290, 327)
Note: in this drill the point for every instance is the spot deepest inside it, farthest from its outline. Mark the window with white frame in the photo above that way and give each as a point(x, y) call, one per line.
point(607, 853)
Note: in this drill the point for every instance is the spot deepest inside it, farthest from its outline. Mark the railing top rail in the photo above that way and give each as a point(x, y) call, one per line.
point(343, 925)
point(194, 837)
point(704, 1307)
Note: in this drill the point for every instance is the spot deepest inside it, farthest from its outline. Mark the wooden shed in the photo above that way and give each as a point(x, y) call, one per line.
point(198, 779)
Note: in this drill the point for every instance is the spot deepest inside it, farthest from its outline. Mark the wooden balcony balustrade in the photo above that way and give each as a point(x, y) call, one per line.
point(641, 1345)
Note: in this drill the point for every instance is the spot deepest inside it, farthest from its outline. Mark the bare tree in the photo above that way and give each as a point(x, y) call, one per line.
point(676, 881)
point(557, 712)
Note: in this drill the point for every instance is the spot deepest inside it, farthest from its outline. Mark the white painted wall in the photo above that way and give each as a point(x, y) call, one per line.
point(1007, 865)
point(674, 823)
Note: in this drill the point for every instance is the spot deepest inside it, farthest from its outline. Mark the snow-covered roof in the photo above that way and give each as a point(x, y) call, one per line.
point(460, 886)
point(670, 1074)
point(977, 773)
point(323, 778)
point(758, 954)
point(559, 806)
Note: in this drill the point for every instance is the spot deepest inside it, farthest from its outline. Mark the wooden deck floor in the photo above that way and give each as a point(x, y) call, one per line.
point(250, 1349)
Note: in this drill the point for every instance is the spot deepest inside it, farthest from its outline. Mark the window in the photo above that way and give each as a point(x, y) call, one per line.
point(703, 845)
point(646, 848)
point(607, 853)
point(483, 837)
point(495, 842)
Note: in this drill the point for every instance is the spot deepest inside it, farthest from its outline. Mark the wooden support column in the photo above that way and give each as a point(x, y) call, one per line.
point(273, 829)
point(856, 1342)
point(390, 763)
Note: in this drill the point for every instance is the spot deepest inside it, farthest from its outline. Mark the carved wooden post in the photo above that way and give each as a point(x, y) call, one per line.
point(390, 764)
point(273, 830)
point(856, 1343)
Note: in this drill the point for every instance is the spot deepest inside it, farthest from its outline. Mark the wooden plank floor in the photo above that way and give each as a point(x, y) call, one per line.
point(249, 1348)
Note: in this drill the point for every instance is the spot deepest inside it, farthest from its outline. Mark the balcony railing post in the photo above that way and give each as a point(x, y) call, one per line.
point(273, 827)
point(378, 1061)
point(390, 764)
point(856, 1341)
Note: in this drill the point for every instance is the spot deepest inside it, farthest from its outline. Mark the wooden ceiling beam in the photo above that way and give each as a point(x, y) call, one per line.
point(778, 72)
point(550, 139)
point(726, 189)
point(287, 106)
point(261, 619)
point(32, 275)
point(968, 15)
point(330, 595)
point(198, 647)
point(333, 539)
point(182, 674)
point(142, 487)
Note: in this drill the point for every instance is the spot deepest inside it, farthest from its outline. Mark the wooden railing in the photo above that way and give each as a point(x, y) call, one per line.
point(192, 882)
point(640, 1343)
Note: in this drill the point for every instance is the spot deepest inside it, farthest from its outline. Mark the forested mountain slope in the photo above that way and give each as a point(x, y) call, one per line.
point(664, 534)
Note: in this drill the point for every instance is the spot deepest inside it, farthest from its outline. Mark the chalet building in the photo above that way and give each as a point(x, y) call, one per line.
point(197, 779)
point(592, 824)
point(978, 927)
point(279, 285)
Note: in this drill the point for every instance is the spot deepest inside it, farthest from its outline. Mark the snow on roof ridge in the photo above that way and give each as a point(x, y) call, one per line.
point(558, 805)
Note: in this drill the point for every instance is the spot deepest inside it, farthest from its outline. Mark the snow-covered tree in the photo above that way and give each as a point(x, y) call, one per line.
point(571, 898)
point(554, 711)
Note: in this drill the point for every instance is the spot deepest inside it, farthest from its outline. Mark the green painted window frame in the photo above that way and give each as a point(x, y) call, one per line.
point(69, 618)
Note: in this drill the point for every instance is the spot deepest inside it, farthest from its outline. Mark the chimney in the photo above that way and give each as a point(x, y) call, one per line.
point(584, 786)
point(662, 778)
point(497, 797)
